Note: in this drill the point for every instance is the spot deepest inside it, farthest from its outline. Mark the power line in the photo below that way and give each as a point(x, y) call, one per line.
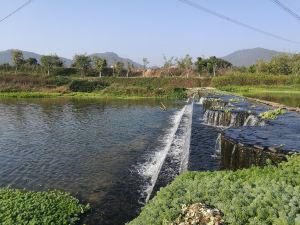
point(16, 10)
point(221, 16)
point(286, 9)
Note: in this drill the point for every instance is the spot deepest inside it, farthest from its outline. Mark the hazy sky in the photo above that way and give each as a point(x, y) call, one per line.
point(145, 28)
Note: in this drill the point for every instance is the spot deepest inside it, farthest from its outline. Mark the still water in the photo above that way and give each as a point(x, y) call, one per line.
point(90, 148)
point(289, 99)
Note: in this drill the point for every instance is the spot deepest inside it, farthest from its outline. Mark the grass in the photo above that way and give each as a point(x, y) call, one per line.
point(264, 196)
point(54, 207)
point(272, 114)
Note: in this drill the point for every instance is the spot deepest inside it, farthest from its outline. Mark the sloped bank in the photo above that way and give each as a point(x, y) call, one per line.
point(264, 196)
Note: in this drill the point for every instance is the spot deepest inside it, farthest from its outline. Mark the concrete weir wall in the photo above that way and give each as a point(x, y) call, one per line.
point(236, 155)
point(246, 139)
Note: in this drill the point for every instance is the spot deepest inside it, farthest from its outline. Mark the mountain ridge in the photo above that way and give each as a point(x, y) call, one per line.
point(111, 57)
point(248, 57)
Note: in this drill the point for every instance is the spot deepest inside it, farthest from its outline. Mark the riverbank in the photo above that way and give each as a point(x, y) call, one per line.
point(26, 86)
point(249, 196)
point(51, 207)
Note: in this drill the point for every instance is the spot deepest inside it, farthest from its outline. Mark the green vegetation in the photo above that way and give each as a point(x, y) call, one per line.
point(35, 208)
point(212, 65)
point(271, 114)
point(234, 100)
point(24, 85)
point(265, 196)
point(255, 80)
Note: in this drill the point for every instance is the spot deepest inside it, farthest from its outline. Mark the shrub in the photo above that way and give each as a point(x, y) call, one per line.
point(265, 196)
point(87, 86)
point(54, 207)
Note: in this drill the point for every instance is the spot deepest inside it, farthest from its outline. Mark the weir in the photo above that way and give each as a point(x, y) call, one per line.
point(246, 139)
point(172, 159)
point(208, 135)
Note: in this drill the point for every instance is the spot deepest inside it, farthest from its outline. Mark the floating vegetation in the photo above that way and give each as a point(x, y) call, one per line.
point(235, 100)
point(271, 114)
point(26, 207)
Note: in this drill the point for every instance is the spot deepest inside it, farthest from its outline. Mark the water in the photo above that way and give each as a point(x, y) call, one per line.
point(289, 99)
point(113, 154)
point(91, 148)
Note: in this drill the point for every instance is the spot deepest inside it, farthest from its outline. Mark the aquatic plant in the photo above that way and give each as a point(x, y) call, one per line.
point(271, 114)
point(52, 207)
point(268, 195)
point(234, 100)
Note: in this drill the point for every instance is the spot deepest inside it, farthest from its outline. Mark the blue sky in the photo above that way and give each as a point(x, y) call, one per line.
point(145, 28)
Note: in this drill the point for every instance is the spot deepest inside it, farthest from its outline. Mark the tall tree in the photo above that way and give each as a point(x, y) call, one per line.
point(48, 62)
point(100, 64)
point(32, 62)
point(118, 68)
point(82, 63)
point(186, 63)
point(18, 59)
point(129, 69)
point(168, 63)
point(145, 64)
point(201, 65)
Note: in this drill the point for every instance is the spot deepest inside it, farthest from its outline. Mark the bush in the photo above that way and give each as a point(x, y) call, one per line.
point(87, 86)
point(264, 196)
point(54, 207)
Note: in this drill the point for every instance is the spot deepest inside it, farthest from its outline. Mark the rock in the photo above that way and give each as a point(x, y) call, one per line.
point(199, 214)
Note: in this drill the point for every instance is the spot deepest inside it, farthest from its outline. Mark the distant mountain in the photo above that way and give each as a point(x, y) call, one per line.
point(249, 57)
point(112, 57)
point(6, 56)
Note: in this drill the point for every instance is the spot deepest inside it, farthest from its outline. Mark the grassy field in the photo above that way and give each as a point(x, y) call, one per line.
point(35, 208)
point(265, 196)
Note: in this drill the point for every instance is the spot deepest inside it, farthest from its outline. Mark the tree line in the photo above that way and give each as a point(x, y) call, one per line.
point(283, 64)
point(85, 64)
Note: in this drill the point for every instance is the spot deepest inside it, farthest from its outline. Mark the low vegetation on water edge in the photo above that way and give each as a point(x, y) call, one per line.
point(265, 196)
point(12, 85)
point(271, 114)
point(35, 208)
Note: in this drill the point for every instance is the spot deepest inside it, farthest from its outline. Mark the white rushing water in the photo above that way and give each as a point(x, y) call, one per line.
point(175, 145)
point(185, 153)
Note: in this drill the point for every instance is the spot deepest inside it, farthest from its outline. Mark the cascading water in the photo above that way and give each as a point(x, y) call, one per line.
point(232, 156)
point(174, 154)
point(218, 145)
point(186, 146)
point(201, 100)
point(253, 120)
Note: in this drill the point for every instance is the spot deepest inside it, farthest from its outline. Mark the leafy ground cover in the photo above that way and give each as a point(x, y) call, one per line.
point(22, 207)
point(265, 196)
